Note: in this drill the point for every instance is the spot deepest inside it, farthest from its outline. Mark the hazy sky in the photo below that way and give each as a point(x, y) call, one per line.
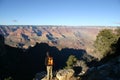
point(60, 12)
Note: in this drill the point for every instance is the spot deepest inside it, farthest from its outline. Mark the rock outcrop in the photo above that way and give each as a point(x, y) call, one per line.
point(65, 74)
point(108, 71)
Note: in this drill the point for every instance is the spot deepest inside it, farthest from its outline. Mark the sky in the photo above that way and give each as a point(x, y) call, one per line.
point(60, 12)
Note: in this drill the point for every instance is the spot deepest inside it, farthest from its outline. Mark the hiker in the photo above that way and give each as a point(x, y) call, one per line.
point(49, 65)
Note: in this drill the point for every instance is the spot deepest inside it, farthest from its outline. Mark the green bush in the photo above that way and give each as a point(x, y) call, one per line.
point(71, 61)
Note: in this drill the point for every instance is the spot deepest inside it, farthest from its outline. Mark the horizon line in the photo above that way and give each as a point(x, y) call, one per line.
point(62, 25)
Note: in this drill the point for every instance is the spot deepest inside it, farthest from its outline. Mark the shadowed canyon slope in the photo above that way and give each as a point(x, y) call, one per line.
point(24, 64)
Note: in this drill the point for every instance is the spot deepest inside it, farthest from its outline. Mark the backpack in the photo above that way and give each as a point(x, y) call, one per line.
point(50, 61)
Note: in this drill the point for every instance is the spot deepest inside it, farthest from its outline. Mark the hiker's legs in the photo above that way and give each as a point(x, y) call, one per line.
point(48, 72)
point(51, 73)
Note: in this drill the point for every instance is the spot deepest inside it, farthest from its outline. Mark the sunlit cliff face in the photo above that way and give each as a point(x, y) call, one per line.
point(61, 37)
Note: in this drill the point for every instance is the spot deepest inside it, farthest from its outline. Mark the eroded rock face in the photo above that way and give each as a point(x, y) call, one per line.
point(65, 74)
point(108, 71)
point(60, 36)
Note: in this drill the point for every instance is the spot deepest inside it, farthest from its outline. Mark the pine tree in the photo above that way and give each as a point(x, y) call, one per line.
point(104, 41)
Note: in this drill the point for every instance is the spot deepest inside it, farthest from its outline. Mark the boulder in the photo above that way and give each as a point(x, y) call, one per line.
point(65, 74)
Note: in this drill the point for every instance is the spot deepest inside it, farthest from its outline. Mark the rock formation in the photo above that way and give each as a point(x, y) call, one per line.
point(65, 74)
point(59, 36)
point(107, 71)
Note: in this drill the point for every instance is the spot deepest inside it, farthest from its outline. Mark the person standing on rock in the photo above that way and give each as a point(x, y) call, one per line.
point(49, 65)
